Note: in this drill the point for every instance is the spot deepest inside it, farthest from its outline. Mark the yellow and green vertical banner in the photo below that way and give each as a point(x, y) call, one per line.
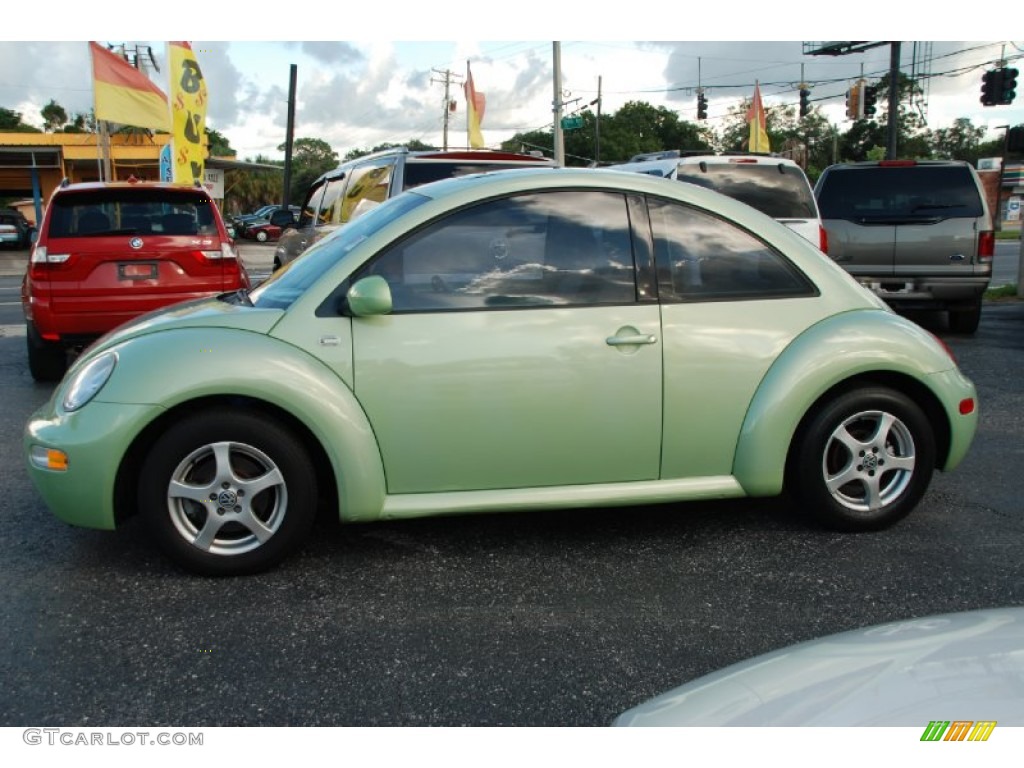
point(188, 113)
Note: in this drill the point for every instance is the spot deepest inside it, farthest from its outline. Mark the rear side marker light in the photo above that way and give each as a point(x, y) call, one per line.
point(49, 458)
point(822, 239)
point(967, 406)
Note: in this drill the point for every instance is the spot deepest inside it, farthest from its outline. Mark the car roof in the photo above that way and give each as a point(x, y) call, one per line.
point(666, 165)
point(91, 186)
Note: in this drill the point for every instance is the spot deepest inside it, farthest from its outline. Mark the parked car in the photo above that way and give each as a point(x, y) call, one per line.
point(903, 673)
point(243, 224)
point(271, 229)
point(15, 231)
point(513, 340)
point(356, 186)
point(109, 252)
point(916, 232)
point(776, 186)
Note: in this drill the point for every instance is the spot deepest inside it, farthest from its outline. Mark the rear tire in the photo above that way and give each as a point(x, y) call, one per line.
point(965, 320)
point(863, 460)
point(261, 236)
point(47, 361)
point(227, 493)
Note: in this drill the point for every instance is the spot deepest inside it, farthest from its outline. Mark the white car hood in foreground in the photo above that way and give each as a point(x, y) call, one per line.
point(960, 666)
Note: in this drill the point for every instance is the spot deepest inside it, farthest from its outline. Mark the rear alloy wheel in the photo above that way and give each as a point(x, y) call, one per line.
point(228, 493)
point(864, 460)
point(47, 361)
point(261, 236)
point(965, 320)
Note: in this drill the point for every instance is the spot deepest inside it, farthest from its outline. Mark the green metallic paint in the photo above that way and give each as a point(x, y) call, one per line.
point(83, 495)
point(370, 296)
point(832, 351)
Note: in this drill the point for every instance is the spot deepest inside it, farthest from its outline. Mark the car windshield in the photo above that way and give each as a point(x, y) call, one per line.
point(777, 190)
point(286, 285)
point(921, 191)
point(131, 211)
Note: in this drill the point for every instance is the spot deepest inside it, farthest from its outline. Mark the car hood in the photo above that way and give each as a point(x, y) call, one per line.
point(960, 666)
point(215, 312)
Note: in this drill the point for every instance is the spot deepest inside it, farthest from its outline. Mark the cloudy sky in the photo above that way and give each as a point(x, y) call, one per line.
point(357, 94)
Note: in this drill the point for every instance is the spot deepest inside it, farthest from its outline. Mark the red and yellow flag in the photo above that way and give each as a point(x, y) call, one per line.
point(123, 94)
point(758, 141)
point(188, 107)
point(475, 104)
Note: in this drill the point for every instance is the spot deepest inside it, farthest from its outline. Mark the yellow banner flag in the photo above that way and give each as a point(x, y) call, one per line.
point(123, 94)
point(758, 141)
point(188, 112)
point(475, 103)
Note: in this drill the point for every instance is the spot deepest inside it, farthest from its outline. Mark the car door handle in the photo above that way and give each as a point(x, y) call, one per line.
point(623, 341)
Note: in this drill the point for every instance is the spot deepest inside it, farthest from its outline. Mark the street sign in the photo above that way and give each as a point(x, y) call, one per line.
point(571, 123)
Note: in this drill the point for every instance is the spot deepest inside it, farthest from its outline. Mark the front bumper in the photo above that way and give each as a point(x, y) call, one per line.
point(95, 439)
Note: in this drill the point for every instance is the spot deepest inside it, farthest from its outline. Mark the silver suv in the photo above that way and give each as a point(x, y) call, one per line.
point(342, 194)
point(776, 186)
point(916, 232)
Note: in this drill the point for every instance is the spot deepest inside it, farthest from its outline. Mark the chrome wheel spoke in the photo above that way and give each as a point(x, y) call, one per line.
point(849, 474)
point(255, 525)
point(208, 534)
point(255, 485)
point(179, 489)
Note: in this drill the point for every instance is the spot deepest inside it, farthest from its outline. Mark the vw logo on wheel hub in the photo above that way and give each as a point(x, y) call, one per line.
point(226, 499)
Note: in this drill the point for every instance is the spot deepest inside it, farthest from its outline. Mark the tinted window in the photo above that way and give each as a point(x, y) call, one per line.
point(702, 257)
point(780, 191)
point(131, 211)
point(367, 186)
point(924, 192)
point(417, 173)
point(286, 285)
point(534, 250)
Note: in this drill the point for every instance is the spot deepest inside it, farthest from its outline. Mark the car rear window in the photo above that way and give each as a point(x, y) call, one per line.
point(131, 211)
point(777, 190)
point(426, 172)
point(906, 192)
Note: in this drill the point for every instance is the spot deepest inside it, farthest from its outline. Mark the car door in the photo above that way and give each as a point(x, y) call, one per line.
point(519, 353)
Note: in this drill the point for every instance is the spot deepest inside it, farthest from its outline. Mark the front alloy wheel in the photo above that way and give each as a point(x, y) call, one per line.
point(864, 460)
point(227, 493)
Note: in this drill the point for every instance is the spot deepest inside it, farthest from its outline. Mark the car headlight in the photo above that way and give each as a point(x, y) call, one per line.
point(88, 381)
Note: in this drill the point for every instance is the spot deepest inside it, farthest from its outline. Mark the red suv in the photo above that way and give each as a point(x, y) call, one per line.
point(109, 252)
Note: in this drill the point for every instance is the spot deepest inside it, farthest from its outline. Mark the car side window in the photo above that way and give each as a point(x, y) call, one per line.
point(367, 187)
point(565, 248)
point(702, 258)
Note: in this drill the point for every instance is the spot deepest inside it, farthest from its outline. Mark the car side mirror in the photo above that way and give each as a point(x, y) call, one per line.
point(369, 296)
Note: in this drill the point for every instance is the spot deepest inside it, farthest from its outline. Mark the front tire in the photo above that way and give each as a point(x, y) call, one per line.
point(863, 460)
point(227, 493)
point(261, 236)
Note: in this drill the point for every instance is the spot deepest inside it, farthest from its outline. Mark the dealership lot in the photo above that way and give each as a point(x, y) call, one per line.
point(562, 618)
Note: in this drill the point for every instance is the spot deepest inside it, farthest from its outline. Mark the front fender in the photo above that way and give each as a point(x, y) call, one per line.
point(178, 366)
point(835, 350)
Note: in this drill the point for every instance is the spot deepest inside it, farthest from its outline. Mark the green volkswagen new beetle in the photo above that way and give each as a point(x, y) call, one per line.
point(526, 339)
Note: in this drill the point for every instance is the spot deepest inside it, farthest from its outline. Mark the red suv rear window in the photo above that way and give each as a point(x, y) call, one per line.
point(131, 211)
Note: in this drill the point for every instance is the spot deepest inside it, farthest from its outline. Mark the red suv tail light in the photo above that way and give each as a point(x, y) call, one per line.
point(822, 239)
point(986, 245)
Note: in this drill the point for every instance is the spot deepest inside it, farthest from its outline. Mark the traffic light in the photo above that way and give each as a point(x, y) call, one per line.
point(991, 87)
point(702, 105)
point(853, 104)
point(1007, 92)
point(805, 101)
point(1015, 139)
point(870, 99)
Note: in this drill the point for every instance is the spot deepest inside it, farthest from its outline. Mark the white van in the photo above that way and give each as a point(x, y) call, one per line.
point(776, 186)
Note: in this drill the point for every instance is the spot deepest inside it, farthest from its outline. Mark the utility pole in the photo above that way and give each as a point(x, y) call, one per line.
point(556, 104)
point(597, 125)
point(447, 77)
point(289, 138)
point(894, 100)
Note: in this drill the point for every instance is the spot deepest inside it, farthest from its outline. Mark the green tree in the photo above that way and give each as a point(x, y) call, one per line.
point(961, 141)
point(310, 159)
point(413, 145)
point(54, 116)
point(11, 121)
point(218, 143)
point(246, 190)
